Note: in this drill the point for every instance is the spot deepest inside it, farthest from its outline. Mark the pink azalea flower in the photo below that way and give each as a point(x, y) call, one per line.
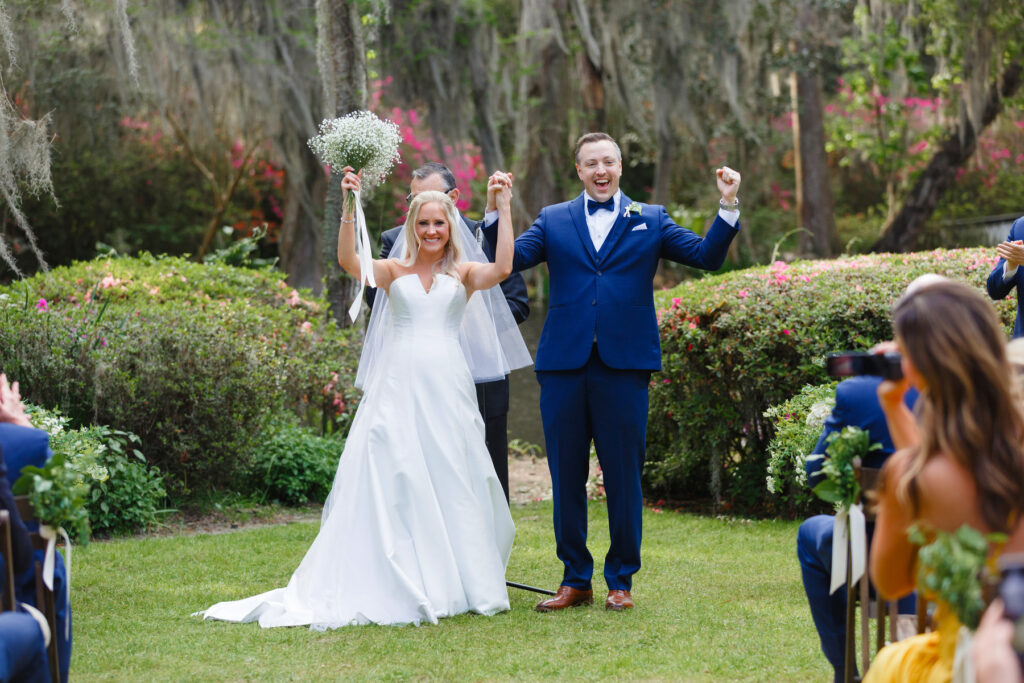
point(306, 327)
point(42, 305)
point(676, 301)
point(743, 294)
point(693, 326)
point(787, 332)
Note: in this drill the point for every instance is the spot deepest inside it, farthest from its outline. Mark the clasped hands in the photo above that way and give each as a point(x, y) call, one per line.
point(1013, 252)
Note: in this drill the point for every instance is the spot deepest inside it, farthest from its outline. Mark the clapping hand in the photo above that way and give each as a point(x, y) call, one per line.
point(728, 184)
point(1013, 252)
point(11, 408)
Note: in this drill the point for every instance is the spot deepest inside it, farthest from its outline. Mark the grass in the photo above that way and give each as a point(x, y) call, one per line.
point(717, 599)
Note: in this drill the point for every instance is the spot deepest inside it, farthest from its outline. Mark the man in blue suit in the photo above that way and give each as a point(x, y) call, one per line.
point(1006, 276)
point(857, 406)
point(598, 349)
point(22, 444)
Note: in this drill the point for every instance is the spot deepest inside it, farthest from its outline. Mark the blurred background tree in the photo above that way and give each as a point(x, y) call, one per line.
point(179, 125)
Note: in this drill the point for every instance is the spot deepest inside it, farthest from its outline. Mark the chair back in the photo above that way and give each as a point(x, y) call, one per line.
point(7, 551)
point(45, 601)
point(868, 479)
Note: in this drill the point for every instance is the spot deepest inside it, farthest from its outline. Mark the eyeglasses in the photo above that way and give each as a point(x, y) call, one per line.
point(411, 196)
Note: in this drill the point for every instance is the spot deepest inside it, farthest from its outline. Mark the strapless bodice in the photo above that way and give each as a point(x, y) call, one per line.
point(434, 313)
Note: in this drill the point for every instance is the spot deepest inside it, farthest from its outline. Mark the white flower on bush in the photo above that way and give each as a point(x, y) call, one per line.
point(818, 413)
point(360, 140)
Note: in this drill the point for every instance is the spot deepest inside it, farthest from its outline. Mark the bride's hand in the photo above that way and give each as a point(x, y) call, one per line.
point(351, 182)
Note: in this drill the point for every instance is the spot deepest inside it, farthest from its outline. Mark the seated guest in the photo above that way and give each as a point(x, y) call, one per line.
point(22, 642)
point(23, 444)
point(967, 466)
point(856, 406)
point(22, 649)
point(1006, 276)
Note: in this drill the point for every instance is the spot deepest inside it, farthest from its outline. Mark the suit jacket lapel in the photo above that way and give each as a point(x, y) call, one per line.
point(618, 228)
point(576, 209)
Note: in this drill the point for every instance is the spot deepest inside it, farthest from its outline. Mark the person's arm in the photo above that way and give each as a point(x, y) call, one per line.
point(21, 544)
point(479, 276)
point(892, 554)
point(1006, 275)
point(348, 259)
point(708, 253)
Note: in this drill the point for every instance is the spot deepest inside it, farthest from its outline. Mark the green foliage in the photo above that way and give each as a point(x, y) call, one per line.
point(293, 465)
point(797, 423)
point(192, 358)
point(58, 493)
point(126, 495)
point(840, 485)
point(735, 344)
point(242, 252)
point(950, 568)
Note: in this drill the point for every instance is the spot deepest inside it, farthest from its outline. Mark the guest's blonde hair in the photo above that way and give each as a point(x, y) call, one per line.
point(453, 250)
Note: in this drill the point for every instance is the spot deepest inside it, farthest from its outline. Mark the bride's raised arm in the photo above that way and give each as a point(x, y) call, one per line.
point(486, 275)
point(347, 257)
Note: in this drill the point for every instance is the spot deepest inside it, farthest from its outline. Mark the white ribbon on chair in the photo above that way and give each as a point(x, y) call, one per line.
point(40, 619)
point(848, 530)
point(363, 251)
point(50, 563)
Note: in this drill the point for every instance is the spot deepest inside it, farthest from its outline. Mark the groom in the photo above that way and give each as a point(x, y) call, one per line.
point(598, 349)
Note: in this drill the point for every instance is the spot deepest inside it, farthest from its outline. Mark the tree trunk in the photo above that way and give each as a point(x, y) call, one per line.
point(541, 147)
point(348, 62)
point(903, 231)
point(813, 191)
point(299, 241)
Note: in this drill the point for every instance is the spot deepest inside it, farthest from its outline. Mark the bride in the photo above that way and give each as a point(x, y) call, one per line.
point(416, 526)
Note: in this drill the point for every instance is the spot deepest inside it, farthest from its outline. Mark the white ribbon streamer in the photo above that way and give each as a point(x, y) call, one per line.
point(50, 563)
point(363, 251)
point(44, 626)
point(963, 658)
point(849, 531)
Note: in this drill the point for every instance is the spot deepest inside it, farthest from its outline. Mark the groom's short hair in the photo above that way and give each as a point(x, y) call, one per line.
point(587, 138)
point(434, 168)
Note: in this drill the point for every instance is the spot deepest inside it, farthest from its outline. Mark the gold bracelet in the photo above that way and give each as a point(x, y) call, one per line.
point(345, 221)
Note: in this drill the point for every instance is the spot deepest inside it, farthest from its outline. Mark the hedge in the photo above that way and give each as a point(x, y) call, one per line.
point(733, 345)
point(192, 358)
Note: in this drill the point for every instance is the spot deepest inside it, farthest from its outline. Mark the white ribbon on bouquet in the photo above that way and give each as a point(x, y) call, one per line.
point(363, 251)
point(849, 531)
point(50, 563)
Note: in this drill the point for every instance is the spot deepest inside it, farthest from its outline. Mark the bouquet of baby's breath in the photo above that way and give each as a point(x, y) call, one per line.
point(840, 485)
point(952, 569)
point(360, 140)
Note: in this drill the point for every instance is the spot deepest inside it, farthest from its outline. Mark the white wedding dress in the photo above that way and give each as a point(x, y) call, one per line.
point(416, 526)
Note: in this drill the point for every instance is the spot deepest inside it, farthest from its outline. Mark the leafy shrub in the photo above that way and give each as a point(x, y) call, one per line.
point(797, 423)
point(126, 495)
point(735, 344)
point(293, 465)
point(192, 358)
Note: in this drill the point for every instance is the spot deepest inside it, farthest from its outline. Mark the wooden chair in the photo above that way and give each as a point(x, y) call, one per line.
point(45, 601)
point(859, 592)
point(7, 551)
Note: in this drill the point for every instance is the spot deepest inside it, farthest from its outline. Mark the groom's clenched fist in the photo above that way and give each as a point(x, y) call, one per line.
point(728, 184)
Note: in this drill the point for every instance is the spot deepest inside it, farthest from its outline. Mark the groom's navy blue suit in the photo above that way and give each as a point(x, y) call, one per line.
point(598, 348)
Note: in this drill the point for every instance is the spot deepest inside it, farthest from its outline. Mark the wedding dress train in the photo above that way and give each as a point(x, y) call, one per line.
point(416, 526)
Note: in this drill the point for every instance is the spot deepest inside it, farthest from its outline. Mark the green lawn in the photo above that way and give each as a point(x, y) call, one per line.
point(717, 599)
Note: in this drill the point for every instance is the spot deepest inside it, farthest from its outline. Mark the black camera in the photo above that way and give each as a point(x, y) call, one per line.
point(850, 363)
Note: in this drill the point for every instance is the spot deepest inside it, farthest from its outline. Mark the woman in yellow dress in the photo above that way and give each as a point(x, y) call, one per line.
point(960, 462)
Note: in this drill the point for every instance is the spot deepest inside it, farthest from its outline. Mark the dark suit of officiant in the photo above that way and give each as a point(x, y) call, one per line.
point(492, 397)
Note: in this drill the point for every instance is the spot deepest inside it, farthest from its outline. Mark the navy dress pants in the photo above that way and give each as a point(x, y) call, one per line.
point(22, 650)
point(814, 550)
point(25, 590)
point(608, 406)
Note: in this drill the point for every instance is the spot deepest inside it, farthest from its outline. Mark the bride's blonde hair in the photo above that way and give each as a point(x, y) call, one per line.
point(453, 251)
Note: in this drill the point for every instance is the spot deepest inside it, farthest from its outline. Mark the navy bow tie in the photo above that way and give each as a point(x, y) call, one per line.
point(593, 207)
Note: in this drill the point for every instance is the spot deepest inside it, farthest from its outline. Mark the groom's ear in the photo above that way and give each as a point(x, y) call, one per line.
point(453, 194)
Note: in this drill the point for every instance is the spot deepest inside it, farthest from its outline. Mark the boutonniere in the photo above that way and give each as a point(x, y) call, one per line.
point(633, 208)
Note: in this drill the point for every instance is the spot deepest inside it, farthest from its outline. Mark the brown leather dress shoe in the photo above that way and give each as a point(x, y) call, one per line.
point(567, 596)
point(618, 601)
